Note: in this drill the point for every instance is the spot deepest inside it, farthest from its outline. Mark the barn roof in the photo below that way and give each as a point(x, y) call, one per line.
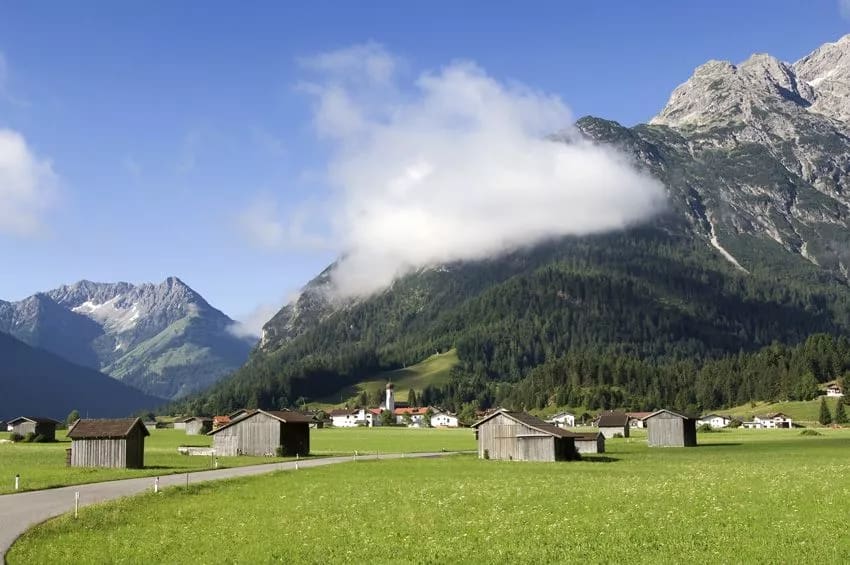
point(105, 429)
point(34, 419)
point(530, 421)
point(613, 420)
point(677, 414)
point(285, 416)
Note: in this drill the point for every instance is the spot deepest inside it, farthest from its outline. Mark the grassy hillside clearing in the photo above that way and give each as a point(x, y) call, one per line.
point(434, 371)
point(42, 465)
point(804, 411)
point(637, 505)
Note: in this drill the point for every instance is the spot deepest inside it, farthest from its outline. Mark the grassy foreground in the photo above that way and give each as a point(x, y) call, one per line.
point(744, 497)
point(42, 465)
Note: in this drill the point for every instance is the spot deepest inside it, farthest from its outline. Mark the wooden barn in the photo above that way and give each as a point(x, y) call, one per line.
point(590, 442)
point(108, 443)
point(517, 436)
point(197, 425)
point(262, 432)
point(45, 427)
point(666, 428)
point(612, 423)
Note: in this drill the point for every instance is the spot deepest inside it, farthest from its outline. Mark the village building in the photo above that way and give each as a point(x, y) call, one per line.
point(220, 421)
point(264, 433)
point(197, 425)
point(834, 390)
point(37, 425)
point(411, 417)
point(563, 419)
point(666, 428)
point(769, 422)
point(356, 417)
point(611, 423)
point(180, 424)
point(150, 425)
point(108, 443)
point(636, 419)
point(590, 442)
point(517, 436)
point(444, 420)
point(716, 421)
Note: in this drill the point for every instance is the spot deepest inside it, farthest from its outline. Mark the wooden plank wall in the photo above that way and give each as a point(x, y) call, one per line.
point(668, 430)
point(498, 436)
point(99, 453)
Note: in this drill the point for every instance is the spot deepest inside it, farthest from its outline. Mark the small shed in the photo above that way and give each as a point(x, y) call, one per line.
point(181, 423)
point(108, 443)
point(262, 432)
point(612, 423)
point(517, 436)
point(590, 442)
point(40, 426)
point(666, 428)
point(197, 425)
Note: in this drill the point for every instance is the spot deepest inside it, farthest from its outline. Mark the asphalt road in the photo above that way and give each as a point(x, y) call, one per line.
point(19, 512)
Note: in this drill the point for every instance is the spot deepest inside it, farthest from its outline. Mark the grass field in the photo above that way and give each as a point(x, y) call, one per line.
point(755, 496)
point(805, 411)
point(42, 465)
point(434, 370)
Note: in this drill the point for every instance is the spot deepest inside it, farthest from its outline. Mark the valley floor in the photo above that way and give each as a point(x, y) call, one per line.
point(752, 496)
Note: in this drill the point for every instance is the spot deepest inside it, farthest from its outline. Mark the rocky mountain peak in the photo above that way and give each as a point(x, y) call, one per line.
point(827, 72)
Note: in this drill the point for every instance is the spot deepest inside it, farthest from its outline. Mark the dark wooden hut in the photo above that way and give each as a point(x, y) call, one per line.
point(666, 428)
point(518, 436)
point(40, 426)
point(197, 425)
point(108, 443)
point(612, 423)
point(593, 442)
point(262, 432)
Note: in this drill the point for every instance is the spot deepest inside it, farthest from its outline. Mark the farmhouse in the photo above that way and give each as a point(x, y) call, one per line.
point(636, 419)
point(108, 443)
point(666, 428)
point(45, 427)
point(612, 423)
point(563, 419)
point(834, 390)
point(716, 421)
point(350, 418)
point(266, 433)
point(197, 425)
point(590, 442)
point(416, 416)
point(518, 436)
point(444, 420)
point(770, 421)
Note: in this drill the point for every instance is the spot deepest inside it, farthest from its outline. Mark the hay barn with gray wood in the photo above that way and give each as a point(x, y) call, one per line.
point(612, 423)
point(665, 428)
point(37, 425)
point(117, 443)
point(593, 442)
point(197, 425)
point(517, 436)
point(262, 432)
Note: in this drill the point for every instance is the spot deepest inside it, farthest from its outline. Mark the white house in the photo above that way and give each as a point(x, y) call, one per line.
point(416, 415)
point(563, 420)
point(444, 420)
point(770, 422)
point(716, 421)
point(345, 418)
point(834, 390)
point(636, 419)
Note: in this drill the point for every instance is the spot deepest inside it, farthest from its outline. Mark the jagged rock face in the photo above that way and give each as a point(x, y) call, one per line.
point(164, 339)
point(827, 72)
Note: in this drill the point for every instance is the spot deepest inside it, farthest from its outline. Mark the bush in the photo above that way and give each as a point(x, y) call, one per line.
point(618, 435)
point(735, 424)
point(705, 428)
point(810, 433)
point(30, 437)
point(16, 437)
point(278, 451)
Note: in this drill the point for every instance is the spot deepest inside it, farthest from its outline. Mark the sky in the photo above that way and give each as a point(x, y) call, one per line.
point(238, 146)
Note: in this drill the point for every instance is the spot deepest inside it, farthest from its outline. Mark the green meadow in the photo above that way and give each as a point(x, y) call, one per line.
point(42, 465)
point(750, 496)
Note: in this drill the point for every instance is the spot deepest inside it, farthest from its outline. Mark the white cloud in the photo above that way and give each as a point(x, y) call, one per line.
point(453, 165)
point(844, 8)
point(250, 325)
point(28, 187)
point(262, 224)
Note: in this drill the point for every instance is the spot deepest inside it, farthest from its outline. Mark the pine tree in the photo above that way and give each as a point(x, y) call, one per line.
point(825, 418)
point(840, 415)
point(411, 398)
point(72, 417)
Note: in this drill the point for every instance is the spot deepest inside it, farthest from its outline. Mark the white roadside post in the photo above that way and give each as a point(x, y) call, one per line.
point(17, 482)
point(156, 485)
point(76, 503)
point(296, 461)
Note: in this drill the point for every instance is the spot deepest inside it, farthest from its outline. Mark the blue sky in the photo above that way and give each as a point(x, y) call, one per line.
point(162, 122)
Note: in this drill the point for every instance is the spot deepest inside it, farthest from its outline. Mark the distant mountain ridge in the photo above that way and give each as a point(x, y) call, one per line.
point(163, 339)
point(37, 382)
